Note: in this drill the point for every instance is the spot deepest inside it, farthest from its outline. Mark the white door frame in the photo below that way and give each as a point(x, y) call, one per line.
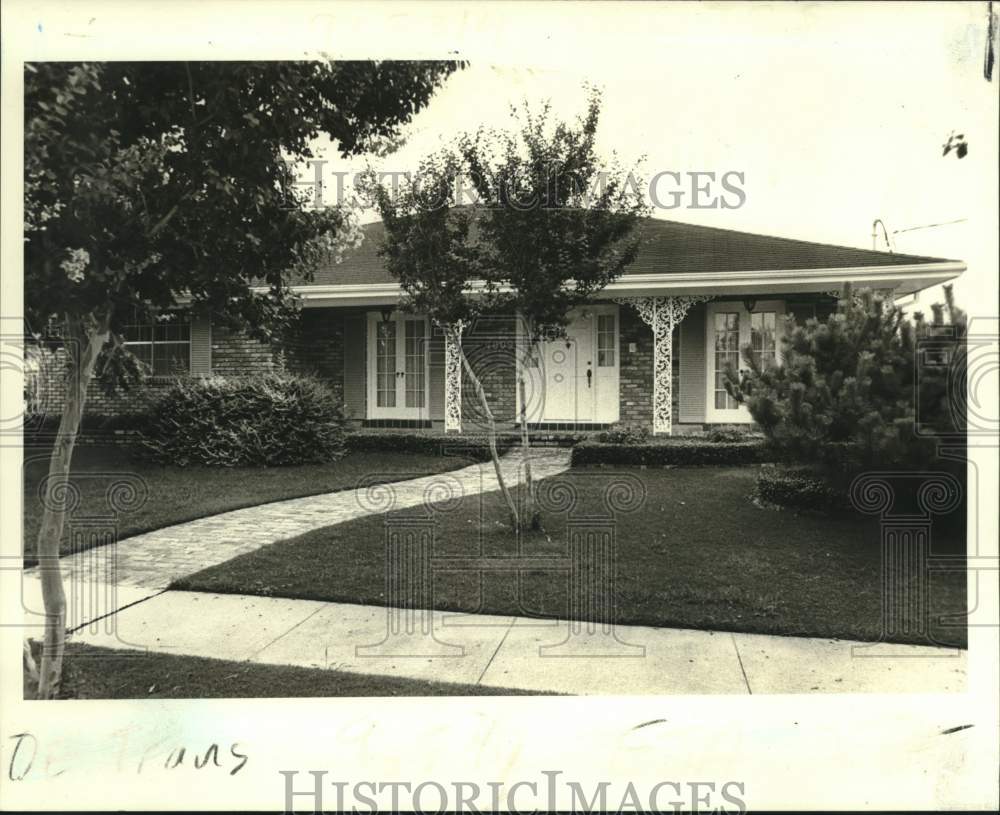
point(400, 410)
point(740, 414)
point(605, 404)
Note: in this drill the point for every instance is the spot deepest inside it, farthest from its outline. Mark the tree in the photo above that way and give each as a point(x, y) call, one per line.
point(430, 248)
point(558, 226)
point(155, 185)
point(848, 390)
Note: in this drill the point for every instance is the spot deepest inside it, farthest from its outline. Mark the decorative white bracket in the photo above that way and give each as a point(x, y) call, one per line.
point(453, 378)
point(662, 314)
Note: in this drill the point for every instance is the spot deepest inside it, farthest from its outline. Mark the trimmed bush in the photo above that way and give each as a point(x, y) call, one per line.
point(271, 420)
point(473, 447)
point(673, 451)
point(625, 434)
point(725, 435)
point(799, 489)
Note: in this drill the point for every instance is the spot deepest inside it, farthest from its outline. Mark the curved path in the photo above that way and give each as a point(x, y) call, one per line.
point(104, 579)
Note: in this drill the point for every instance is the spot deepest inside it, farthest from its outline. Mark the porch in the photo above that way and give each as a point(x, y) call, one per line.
point(651, 362)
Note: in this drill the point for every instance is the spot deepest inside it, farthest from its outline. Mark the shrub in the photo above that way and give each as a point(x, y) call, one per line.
point(270, 420)
point(799, 489)
point(851, 380)
point(674, 451)
point(473, 447)
point(723, 435)
point(625, 434)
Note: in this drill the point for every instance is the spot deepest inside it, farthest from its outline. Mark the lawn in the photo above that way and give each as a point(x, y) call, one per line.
point(178, 494)
point(103, 673)
point(698, 554)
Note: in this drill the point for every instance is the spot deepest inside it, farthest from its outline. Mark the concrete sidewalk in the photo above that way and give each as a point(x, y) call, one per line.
point(518, 652)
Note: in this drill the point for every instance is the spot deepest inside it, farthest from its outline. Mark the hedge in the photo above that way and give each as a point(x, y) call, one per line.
point(474, 447)
point(672, 451)
point(799, 490)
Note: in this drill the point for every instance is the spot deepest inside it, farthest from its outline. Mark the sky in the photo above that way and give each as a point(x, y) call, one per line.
point(836, 115)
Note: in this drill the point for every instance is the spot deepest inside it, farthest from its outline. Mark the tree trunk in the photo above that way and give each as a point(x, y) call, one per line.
point(85, 343)
point(492, 432)
point(534, 518)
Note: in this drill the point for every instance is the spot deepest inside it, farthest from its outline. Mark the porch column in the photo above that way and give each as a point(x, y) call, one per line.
point(453, 378)
point(661, 314)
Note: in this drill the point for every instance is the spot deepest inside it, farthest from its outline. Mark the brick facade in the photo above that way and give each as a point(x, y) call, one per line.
point(236, 354)
point(48, 387)
point(330, 343)
point(316, 347)
point(490, 347)
point(636, 371)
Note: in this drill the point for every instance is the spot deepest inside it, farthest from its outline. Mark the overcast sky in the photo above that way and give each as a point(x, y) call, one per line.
point(836, 115)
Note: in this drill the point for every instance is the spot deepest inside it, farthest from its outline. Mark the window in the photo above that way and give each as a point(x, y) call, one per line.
point(385, 364)
point(415, 361)
point(162, 342)
point(762, 332)
point(727, 353)
point(606, 340)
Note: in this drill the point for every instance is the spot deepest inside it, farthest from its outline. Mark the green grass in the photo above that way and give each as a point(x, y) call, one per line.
point(102, 673)
point(178, 494)
point(697, 555)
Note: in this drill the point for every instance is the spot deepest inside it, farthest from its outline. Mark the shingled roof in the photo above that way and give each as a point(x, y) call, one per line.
point(667, 247)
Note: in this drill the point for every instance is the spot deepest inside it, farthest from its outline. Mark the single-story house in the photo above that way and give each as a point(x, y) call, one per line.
point(650, 351)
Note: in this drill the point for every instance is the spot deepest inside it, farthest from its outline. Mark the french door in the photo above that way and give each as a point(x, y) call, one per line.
point(397, 366)
point(729, 329)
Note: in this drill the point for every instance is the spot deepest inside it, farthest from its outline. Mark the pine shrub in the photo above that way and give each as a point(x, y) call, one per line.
point(850, 389)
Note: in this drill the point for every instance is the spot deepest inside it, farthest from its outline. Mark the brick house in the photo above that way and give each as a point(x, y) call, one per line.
point(649, 351)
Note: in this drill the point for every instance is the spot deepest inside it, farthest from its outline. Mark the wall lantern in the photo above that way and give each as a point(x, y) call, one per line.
point(387, 314)
point(749, 303)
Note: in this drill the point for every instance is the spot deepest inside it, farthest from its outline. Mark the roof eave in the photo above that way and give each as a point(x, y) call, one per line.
point(904, 279)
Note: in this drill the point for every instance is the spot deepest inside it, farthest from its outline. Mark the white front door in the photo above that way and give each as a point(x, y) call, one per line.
point(579, 373)
point(730, 328)
point(397, 366)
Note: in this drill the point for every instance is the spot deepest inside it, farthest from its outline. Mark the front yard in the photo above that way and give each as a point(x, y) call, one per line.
point(102, 673)
point(178, 494)
point(698, 554)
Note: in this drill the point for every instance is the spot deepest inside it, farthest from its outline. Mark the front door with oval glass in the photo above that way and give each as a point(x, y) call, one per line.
point(397, 366)
point(578, 373)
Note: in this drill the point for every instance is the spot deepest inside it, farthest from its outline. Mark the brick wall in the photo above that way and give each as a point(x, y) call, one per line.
point(636, 371)
point(316, 347)
point(49, 386)
point(490, 348)
point(236, 354)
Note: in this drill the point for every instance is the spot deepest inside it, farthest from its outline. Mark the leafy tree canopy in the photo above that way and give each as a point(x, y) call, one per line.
point(146, 182)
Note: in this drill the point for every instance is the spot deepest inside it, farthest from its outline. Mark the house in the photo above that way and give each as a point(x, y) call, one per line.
point(650, 351)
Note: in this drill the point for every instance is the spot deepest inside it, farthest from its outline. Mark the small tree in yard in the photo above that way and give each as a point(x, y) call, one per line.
point(558, 226)
point(429, 248)
point(152, 185)
point(847, 390)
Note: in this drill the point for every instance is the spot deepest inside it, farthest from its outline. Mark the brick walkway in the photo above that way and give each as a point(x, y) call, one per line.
point(151, 561)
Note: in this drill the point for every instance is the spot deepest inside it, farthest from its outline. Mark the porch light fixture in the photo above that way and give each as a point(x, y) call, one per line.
point(749, 303)
point(386, 314)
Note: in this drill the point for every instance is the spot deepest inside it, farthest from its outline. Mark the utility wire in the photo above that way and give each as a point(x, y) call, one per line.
point(928, 226)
